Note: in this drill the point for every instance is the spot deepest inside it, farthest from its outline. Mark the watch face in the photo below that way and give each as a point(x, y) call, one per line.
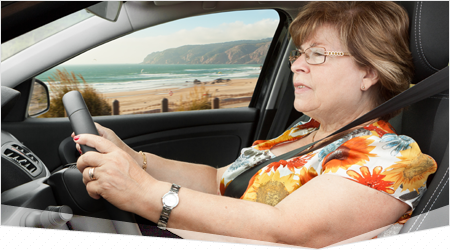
point(170, 199)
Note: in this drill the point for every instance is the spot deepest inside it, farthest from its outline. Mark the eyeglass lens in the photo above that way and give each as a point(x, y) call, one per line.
point(313, 55)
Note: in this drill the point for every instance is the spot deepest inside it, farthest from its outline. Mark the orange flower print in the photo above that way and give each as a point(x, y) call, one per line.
point(275, 165)
point(374, 180)
point(300, 161)
point(288, 135)
point(381, 127)
point(291, 164)
point(404, 218)
point(307, 175)
point(222, 187)
point(250, 184)
point(353, 152)
point(412, 171)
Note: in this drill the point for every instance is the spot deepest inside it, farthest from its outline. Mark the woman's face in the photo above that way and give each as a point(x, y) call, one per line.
point(332, 89)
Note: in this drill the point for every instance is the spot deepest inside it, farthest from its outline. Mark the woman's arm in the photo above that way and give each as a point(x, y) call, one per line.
point(326, 210)
point(198, 177)
point(317, 215)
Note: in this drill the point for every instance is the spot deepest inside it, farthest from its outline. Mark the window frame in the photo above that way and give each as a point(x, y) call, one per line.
point(274, 80)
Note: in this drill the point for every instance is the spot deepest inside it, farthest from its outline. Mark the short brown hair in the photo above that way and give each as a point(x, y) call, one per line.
point(375, 33)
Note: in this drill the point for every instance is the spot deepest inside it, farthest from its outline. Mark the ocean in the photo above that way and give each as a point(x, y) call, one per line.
point(111, 78)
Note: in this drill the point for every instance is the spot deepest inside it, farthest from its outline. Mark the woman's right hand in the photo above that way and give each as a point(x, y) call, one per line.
point(111, 136)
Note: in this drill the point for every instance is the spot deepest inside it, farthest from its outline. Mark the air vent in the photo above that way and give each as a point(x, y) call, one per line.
point(24, 158)
point(26, 152)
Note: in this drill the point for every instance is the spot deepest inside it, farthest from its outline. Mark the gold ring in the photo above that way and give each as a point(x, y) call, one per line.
point(91, 174)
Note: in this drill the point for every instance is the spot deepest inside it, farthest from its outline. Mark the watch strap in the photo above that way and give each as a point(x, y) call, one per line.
point(175, 188)
point(166, 210)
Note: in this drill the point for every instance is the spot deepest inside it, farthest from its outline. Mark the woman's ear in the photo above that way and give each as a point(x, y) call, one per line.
point(370, 78)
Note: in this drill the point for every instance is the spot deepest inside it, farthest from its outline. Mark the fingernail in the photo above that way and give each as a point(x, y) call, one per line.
point(79, 150)
point(76, 137)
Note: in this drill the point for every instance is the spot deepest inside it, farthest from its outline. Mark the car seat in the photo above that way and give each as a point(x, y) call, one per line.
point(427, 121)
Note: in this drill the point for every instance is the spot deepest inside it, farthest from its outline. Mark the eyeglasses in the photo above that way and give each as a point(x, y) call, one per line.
point(314, 55)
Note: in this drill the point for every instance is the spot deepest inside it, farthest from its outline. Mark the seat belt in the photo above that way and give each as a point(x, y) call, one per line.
point(432, 85)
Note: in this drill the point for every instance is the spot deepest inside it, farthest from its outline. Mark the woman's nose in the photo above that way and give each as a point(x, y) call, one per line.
point(300, 64)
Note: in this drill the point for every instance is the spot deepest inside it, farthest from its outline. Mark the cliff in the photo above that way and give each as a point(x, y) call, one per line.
point(236, 52)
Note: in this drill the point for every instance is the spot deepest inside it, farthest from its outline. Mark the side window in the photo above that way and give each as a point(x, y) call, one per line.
point(205, 62)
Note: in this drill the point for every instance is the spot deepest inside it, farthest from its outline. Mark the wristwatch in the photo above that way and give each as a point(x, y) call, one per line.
point(170, 201)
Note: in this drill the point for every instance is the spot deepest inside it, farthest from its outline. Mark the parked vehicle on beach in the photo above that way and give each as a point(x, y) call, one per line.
point(36, 150)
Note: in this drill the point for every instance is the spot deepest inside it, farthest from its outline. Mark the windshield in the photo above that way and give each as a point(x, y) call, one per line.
point(26, 40)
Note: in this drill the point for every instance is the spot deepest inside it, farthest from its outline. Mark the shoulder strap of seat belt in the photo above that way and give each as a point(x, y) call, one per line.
point(428, 87)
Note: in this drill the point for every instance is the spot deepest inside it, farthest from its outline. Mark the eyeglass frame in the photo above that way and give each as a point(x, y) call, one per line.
point(326, 53)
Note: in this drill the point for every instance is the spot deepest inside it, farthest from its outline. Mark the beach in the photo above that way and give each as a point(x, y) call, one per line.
point(231, 93)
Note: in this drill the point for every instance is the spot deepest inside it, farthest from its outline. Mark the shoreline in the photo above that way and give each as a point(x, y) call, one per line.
point(238, 93)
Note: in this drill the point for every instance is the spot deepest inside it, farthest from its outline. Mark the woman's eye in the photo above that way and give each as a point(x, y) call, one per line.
point(317, 54)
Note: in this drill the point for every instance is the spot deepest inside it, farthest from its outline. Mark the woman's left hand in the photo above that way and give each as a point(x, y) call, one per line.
point(117, 177)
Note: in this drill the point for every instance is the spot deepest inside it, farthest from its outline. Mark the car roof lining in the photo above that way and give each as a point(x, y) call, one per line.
point(25, 16)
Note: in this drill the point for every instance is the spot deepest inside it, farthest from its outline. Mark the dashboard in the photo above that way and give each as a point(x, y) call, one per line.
point(19, 164)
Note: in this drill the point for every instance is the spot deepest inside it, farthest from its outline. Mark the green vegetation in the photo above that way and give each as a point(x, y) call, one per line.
point(62, 82)
point(199, 98)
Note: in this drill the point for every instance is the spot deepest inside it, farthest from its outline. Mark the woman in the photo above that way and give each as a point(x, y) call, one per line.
point(351, 57)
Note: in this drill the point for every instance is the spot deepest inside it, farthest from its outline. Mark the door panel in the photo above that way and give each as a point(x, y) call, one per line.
point(212, 137)
point(214, 145)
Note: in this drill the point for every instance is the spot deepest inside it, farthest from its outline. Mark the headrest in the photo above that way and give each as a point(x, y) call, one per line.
point(429, 25)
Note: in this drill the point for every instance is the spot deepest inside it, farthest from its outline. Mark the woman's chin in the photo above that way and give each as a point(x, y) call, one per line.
point(301, 106)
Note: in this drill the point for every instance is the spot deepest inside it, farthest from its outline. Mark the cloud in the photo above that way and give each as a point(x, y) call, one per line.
point(133, 50)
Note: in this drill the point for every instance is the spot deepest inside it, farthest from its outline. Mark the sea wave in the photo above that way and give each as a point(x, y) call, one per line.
point(163, 75)
point(119, 78)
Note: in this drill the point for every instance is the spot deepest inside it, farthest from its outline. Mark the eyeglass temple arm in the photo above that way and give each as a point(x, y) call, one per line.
point(336, 53)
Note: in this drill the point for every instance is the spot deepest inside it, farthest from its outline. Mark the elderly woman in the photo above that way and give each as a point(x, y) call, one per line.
point(350, 57)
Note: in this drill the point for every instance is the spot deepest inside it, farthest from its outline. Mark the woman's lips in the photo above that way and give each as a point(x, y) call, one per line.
point(300, 88)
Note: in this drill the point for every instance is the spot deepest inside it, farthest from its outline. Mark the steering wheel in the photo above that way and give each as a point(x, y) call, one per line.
point(82, 123)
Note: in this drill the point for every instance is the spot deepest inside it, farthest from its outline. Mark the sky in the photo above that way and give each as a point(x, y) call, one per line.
point(213, 28)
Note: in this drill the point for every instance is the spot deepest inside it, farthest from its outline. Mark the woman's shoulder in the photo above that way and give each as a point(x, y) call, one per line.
point(375, 140)
point(379, 158)
point(379, 135)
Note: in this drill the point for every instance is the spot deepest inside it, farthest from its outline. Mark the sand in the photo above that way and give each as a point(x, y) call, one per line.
point(232, 93)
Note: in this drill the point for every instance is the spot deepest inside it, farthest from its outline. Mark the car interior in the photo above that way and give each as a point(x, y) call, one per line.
point(38, 155)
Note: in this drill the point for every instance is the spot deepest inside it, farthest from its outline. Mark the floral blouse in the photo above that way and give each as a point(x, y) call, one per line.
point(374, 156)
